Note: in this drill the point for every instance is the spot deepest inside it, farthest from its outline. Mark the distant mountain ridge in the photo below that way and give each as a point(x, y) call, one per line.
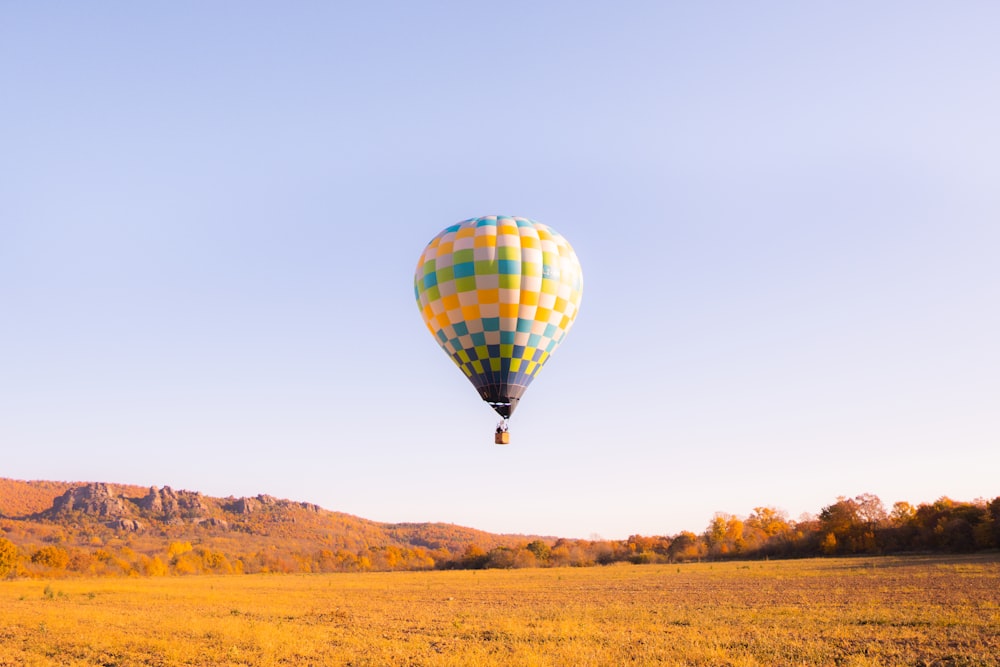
point(75, 513)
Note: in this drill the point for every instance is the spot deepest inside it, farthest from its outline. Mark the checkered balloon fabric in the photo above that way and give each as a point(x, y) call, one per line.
point(499, 295)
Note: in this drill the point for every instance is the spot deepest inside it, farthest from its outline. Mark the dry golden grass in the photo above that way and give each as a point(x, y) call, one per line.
point(854, 612)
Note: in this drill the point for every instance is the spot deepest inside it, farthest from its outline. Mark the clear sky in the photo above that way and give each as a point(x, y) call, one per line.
point(788, 218)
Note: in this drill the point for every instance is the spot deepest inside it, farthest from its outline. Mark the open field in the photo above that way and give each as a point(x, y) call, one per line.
point(871, 611)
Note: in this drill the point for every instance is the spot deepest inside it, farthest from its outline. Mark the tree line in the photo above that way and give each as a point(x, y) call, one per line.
point(858, 525)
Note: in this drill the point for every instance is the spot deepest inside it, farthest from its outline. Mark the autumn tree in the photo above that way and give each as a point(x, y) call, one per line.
point(948, 525)
point(853, 523)
point(215, 561)
point(540, 549)
point(735, 534)
point(8, 556)
point(474, 557)
point(177, 549)
point(151, 567)
point(686, 546)
point(828, 543)
point(871, 511)
point(501, 558)
point(902, 513)
point(770, 521)
point(989, 534)
point(839, 517)
point(767, 531)
point(525, 558)
point(51, 557)
point(902, 528)
point(715, 535)
point(641, 549)
point(725, 535)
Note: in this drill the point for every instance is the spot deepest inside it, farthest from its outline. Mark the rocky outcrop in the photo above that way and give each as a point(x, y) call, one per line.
point(244, 506)
point(171, 504)
point(164, 507)
point(125, 525)
point(152, 502)
point(96, 499)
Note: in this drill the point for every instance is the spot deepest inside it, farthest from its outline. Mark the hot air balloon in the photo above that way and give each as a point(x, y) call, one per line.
point(499, 294)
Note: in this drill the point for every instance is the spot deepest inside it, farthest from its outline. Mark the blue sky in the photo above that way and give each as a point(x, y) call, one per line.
point(787, 216)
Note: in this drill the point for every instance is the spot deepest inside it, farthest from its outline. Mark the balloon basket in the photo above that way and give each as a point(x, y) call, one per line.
point(502, 438)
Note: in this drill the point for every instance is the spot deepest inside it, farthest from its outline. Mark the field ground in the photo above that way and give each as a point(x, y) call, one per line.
point(942, 611)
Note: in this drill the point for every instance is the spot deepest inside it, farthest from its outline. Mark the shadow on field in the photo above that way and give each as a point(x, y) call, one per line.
point(914, 560)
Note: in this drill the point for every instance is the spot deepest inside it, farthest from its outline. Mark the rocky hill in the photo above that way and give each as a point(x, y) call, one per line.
point(89, 520)
point(20, 498)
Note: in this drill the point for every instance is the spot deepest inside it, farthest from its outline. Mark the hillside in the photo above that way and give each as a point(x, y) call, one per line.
point(20, 498)
point(54, 529)
point(131, 527)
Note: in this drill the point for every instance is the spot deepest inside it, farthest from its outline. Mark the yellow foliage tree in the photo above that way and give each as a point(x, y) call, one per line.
point(177, 548)
point(53, 557)
point(8, 556)
point(152, 567)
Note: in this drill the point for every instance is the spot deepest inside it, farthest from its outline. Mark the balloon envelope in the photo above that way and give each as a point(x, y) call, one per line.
point(499, 295)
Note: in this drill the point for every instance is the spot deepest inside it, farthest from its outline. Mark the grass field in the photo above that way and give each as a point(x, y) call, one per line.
point(873, 611)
